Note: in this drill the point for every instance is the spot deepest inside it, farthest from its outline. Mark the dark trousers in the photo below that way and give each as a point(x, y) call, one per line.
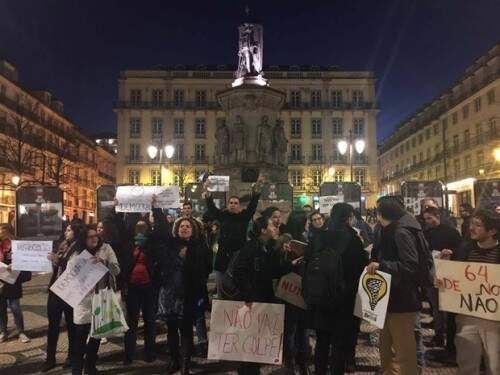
point(15, 307)
point(84, 352)
point(249, 368)
point(140, 298)
point(340, 341)
point(180, 330)
point(56, 307)
point(296, 339)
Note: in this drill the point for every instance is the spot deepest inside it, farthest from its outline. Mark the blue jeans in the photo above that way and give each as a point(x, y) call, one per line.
point(200, 323)
point(420, 343)
point(15, 307)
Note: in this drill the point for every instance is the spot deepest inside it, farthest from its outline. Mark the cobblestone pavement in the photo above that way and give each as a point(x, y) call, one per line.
point(17, 358)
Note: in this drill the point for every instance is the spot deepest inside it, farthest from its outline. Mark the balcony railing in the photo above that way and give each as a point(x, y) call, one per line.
point(329, 106)
point(193, 106)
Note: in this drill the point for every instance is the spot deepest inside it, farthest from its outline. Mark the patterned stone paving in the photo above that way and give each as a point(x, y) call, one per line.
point(17, 358)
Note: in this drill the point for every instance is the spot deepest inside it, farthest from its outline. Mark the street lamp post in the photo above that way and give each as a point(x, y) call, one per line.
point(153, 152)
point(359, 146)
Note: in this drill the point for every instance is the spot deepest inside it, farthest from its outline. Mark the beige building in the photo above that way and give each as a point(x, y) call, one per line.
point(178, 106)
point(40, 145)
point(464, 122)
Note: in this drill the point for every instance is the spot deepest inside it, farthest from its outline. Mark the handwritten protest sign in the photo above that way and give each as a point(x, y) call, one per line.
point(31, 256)
point(373, 297)
point(218, 183)
point(469, 288)
point(239, 333)
point(290, 290)
point(77, 281)
point(138, 198)
point(326, 202)
point(9, 277)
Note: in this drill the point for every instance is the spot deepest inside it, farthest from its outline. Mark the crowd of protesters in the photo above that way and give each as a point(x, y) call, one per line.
point(161, 265)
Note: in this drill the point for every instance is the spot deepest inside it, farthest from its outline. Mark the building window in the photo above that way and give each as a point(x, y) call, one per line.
point(178, 128)
point(436, 129)
point(339, 175)
point(456, 166)
point(359, 158)
point(135, 128)
point(401, 149)
point(337, 127)
point(359, 176)
point(316, 153)
point(337, 98)
point(134, 177)
point(296, 152)
point(466, 138)
point(480, 158)
point(155, 177)
point(407, 146)
point(420, 138)
point(454, 118)
point(414, 142)
point(199, 153)
point(456, 143)
point(315, 99)
point(477, 104)
point(420, 157)
point(178, 98)
point(199, 128)
point(201, 98)
point(295, 99)
point(179, 153)
point(337, 156)
point(296, 178)
point(316, 177)
point(157, 98)
point(135, 97)
point(444, 123)
point(491, 97)
point(429, 174)
point(358, 126)
point(157, 128)
point(357, 98)
point(414, 159)
point(295, 128)
point(427, 134)
point(428, 154)
point(465, 111)
point(437, 148)
point(468, 163)
point(438, 171)
point(316, 127)
point(479, 133)
point(135, 152)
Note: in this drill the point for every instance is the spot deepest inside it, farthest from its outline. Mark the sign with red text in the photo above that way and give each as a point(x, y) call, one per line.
point(290, 290)
point(469, 288)
point(246, 334)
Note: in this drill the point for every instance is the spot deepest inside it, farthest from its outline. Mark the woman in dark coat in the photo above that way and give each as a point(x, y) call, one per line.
point(337, 327)
point(185, 266)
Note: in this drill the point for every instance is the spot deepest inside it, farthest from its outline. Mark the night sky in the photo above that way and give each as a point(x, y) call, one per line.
point(76, 49)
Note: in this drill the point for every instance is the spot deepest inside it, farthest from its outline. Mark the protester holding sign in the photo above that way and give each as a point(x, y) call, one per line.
point(101, 253)
point(11, 294)
point(397, 253)
point(55, 305)
point(477, 337)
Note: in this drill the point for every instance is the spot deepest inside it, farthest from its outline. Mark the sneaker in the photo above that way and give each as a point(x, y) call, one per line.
point(47, 366)
point(3, 336)
point(104, 341)
point(23, 338)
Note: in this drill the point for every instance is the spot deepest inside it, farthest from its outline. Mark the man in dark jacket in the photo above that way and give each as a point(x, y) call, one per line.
point(233, 228)
point(398, 255)
point(466, 215)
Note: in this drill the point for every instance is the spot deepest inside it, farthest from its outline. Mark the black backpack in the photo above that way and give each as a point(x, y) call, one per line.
point(426, 268)
point(229, 290)
point(323, 281)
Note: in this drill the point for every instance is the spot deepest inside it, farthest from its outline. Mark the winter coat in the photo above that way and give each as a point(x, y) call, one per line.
point(397, 254)
point(82, 312)
point(11, 291)
point(465, 228)
point(233, 230)
point(443, 237)
point(63, 253)
point(255, 268)
point(354, 259)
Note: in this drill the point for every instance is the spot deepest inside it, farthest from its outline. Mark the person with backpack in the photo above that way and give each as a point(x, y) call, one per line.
point(330, 286)
point(403, 253)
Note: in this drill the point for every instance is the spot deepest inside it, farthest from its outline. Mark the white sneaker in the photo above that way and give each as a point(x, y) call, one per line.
point(104, 341)
point(23, 338)
point(3, 336)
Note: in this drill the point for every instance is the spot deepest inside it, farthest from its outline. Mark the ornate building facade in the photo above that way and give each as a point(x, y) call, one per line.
point(453, 138)
point(177, 105)
point(40, 145)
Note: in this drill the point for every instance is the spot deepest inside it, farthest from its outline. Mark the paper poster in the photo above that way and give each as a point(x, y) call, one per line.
point(240, 333)
point(326, 203)
point(31, 256)
point(469, 288)
point(373, 297)
point(9, 277)
point(290, 290)
point(218, 183)
point(139, 198)
point(77, 281)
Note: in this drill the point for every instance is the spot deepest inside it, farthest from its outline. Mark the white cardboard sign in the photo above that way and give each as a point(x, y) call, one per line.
point(240, 333)
point(31, 256)
point(373, 297)
point(326, 202)
point(77, 281)
point(218, 183)
point(9, 277)
point(138, 198)
point(290, 290)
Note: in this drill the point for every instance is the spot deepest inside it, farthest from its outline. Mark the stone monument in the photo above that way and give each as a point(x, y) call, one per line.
point(252, 140)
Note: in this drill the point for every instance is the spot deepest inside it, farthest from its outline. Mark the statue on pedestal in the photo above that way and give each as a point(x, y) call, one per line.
point(250, 50)
point(279, 142)
point(238, 141)
point(222, 137)
point(264, 140)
